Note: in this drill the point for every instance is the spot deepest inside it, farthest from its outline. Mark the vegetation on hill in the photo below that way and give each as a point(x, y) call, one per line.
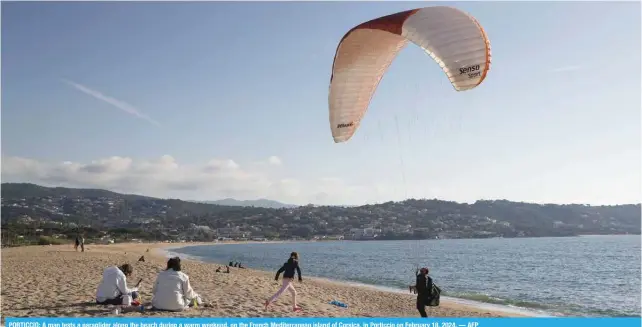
point(30, 211)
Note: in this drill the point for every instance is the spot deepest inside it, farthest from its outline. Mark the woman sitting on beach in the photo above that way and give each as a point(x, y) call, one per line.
point(113, 286)
point(288, 277)
point(172, 290)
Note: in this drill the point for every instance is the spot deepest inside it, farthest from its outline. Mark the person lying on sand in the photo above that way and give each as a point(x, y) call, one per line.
point(172, 290)
point(288, 277)
point(113, 287)
point(220, 270)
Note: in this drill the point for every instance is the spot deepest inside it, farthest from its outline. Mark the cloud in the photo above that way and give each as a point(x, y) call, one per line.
point(166, 177)
point(274, 160)
point(126, 107)
point(270, 161)
point(566, 69)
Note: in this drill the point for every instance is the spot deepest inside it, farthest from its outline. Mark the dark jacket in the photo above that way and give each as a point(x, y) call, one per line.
point(288, 269)
point(424, 285)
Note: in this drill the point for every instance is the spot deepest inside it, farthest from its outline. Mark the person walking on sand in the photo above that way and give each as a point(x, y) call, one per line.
point(77, 244)
point(288, 270)
point(423, 287)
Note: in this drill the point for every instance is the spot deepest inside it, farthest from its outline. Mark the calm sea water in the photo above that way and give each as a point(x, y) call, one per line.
point(579, 276)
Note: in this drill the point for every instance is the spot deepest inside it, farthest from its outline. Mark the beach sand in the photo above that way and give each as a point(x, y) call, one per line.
point(58, 281)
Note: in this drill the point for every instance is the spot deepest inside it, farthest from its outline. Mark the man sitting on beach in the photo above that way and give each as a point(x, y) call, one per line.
point(172, 290)
point(113, 286)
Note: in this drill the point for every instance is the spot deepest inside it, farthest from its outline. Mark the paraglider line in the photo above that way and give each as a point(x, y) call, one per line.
point(403, 173)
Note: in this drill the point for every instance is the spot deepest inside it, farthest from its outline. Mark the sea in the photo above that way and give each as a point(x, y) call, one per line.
point(585, 276)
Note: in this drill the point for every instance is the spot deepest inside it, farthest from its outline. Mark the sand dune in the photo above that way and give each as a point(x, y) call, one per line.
point(58, 281)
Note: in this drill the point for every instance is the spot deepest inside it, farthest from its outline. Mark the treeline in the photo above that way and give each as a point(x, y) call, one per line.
point(16, 234)
point(30, 210)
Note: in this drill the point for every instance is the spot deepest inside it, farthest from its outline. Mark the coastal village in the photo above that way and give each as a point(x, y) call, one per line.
point(28, 214)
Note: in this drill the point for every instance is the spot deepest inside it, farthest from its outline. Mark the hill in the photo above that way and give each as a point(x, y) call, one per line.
point(34, 210)
point(261, 203)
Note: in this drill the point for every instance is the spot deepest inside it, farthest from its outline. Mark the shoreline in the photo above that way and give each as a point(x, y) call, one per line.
point(511, 310)
point(57, 281)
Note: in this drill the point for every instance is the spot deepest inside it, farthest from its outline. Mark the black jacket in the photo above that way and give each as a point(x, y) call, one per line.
point(424, 285)
point(288, 269)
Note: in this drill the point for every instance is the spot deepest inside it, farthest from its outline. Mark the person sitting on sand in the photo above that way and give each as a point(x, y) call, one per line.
point(287, 269)
point(172, 290)
point(227, 270)
point(113, 287)
point(218, 269)
point(423, 288)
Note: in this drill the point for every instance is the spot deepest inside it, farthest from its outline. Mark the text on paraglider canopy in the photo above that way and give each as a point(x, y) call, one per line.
point(345, 125)
point(472, 71)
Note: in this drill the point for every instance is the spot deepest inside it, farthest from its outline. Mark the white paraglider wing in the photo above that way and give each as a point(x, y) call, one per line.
point(454, 39)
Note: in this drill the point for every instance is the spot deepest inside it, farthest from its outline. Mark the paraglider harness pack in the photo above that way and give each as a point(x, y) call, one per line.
point(434, 296)
point(433, 300)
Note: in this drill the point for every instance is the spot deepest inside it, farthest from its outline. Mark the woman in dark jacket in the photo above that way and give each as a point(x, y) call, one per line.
point(288, 270)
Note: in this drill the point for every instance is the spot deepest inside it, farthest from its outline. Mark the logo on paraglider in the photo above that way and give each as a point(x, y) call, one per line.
point(472, 71)
point(345, 125)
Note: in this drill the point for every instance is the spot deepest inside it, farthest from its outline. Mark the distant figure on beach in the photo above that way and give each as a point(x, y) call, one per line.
point(236, 264)
point(423, 288)
point(141, 259)
point(230, 264)
point(288, 270)
point(77, 244)
point(113, 287)
point(82, 244)
point(218, 269)
point(227, 270)
point(241, 266)
point(172, 290)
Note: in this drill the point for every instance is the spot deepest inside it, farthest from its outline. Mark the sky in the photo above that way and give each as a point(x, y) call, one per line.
point(210, 100)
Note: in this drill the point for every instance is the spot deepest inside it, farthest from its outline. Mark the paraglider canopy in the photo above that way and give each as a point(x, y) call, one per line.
point(454, 39)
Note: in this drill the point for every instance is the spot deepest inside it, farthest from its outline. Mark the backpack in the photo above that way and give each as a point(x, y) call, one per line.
point(434, 296)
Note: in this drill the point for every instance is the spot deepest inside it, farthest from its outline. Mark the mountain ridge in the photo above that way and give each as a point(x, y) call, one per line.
point(29, 209)
point(104, 192)
point(261, 203)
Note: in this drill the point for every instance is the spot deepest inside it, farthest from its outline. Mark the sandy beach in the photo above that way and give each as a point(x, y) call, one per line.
point(58, 281)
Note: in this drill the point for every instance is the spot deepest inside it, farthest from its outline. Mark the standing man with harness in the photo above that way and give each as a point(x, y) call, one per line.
point(423, 288)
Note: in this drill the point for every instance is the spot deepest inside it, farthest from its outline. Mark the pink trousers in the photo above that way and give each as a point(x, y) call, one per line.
point(287, 285)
